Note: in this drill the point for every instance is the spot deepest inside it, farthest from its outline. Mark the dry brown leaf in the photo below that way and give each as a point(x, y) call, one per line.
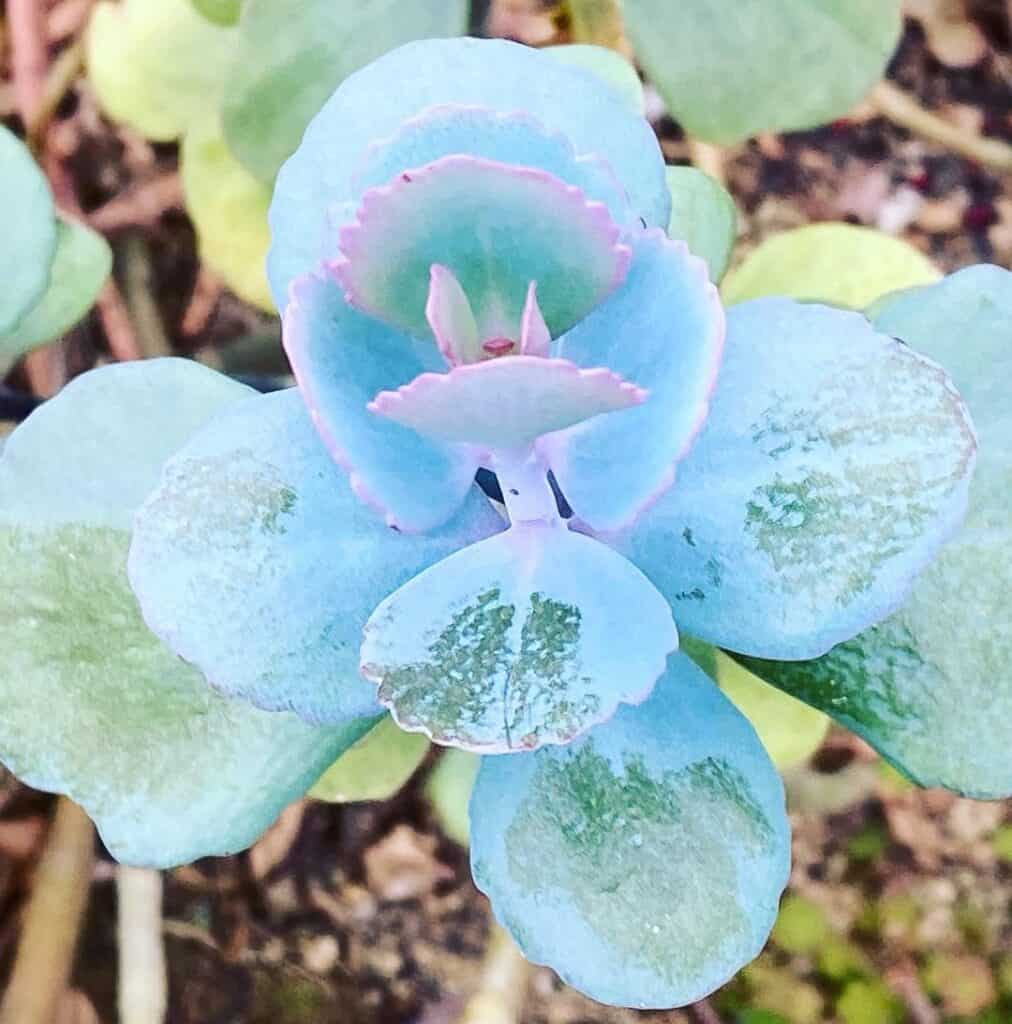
point(951, 36)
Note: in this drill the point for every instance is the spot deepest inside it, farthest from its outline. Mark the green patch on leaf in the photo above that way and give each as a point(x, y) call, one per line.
point(624, 835)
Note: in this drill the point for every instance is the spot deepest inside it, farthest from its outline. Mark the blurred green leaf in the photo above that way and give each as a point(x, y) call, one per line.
point(840, 959)
point(228, 207)
point(291, 57)
point(868, 1002)
point(80, 266)
point(1002, 843)
point(606, 64)
point(449, 791)
point(157, 65)
point(790, 730)
point(963, 983)
point(29, 240)
point(220, 12)
point(375, 768)
point(801, 926)
point(728, 69)
point(704, 216)
point(838, 264)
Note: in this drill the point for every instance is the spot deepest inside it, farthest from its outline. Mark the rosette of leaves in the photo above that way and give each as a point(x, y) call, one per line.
point(52, 267)
point(476, 277)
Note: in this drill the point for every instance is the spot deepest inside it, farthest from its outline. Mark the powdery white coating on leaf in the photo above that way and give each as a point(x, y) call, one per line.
point(253, 560)
point(342, 359)
point(664, 329)
point(497, 227)
point(528, 638)
point(507, 402)
point(930, 687)
point(499, 75)
point(94, 705)
point(643, 862)
point(515, 138)
point(833, 465)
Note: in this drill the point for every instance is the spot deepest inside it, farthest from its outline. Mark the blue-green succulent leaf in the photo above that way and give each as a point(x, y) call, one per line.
point(930, 686)
point(663, 329)
point(610, 66)
point(833, 465)
point(342, 360)
point(501, 76)
point(292, 55)
point(645, 861)
point(530, 637)
point(81, 263)
point(254, 561)
point(95, 706)
point(704, 216)
point(513, 138)
point(29, 232)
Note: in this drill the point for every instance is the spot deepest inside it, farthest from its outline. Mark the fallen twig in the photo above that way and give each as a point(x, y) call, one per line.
point(143, 985)
point(709, 159)
point(141, 205)
point(53, 920)
point(143, 310)
point(905, 111)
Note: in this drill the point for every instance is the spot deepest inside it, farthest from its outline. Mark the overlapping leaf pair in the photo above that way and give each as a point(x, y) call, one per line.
point(468, 247)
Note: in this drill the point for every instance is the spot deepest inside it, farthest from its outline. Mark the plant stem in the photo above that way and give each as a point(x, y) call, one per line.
point(504, 977)
point(61, 76)
point(53, 920)
point(598, 22)
point(709, 159)
point(143, 988)
point(144, 313)
point(905, 111)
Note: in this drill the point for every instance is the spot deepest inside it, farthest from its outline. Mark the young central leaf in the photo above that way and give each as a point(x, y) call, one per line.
point(496, 228)
point(527, 638)
point(507, 402)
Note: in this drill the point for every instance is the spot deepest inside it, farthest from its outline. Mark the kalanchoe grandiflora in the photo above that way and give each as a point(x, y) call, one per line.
point(470, 253)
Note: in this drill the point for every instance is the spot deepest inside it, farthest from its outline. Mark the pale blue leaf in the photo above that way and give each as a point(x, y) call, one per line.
point(930, 687)
point(512, 138)
point(342, 359)
point(530, 637)
point(502, 76)
point(834, 464)
point(94, 705)
point(645, 861)
point(254, 561)
point(663, 331)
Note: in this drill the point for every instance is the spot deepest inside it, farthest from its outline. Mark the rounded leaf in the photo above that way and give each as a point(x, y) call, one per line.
point(930, 687)
point(449, 789)
point(254, 561)
point(375, 768)
point(728, 69)
point(645, 861)
point(80, 267)
point(529, 637)
point(608, 65)
point(94, 705)
point(228, 207)
point(29, 237)
point(157, 65)
point(221, 12)
point(838, 264)
point(834, 464)
point(290, 58)
point(704, 216)
point(501, 76)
